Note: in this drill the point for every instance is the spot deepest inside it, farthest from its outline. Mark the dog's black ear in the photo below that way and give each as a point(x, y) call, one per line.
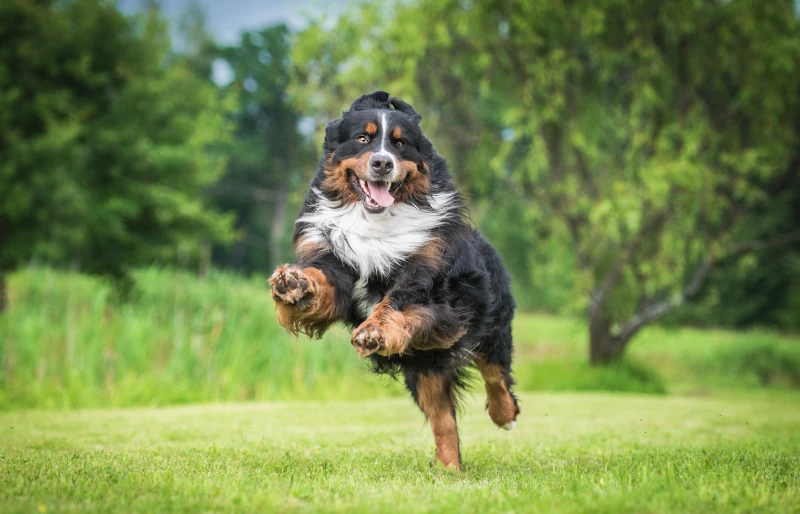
point(332, 135)
point(376, 100)
point(405, 108)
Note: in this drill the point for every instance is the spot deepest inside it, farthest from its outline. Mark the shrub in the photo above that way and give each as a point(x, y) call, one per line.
point(764, 363)
point(623, 376)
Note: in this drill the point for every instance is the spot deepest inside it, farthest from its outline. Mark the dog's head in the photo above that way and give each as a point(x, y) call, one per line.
point(376, 154)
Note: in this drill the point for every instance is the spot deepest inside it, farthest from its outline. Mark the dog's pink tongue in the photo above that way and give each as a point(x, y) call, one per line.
point(379, 191)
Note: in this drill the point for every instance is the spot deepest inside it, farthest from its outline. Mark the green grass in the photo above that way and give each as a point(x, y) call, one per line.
point(721, 442)
point(687, 359)
point(588, 452)
point(179, 339)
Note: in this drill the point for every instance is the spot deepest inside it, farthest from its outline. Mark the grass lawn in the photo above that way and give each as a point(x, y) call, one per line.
point(588, 452)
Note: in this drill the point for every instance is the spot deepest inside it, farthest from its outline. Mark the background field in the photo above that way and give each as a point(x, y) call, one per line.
point(66, 342)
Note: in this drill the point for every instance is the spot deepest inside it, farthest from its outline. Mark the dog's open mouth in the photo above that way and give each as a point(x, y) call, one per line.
point(375, 196)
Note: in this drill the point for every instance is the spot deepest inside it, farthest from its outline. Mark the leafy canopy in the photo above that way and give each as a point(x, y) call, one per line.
point(645, 137)
point(270, 160)
point(104, 143)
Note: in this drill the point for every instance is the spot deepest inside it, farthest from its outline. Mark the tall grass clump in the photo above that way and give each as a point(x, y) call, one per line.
point(65, 342)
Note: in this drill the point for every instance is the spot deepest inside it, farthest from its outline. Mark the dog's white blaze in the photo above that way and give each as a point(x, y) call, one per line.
point(373, 243)
point(383, 152)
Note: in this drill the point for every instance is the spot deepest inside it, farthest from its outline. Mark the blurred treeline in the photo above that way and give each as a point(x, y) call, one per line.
point(624, 156)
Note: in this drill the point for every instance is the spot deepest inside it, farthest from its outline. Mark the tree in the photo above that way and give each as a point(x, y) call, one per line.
point(760, 289)
point(103, 145)
point(647, 136)
point(268, 156)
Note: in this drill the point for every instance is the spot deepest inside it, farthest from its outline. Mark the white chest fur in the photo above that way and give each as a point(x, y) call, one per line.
point(373, 243)
point(363, 300)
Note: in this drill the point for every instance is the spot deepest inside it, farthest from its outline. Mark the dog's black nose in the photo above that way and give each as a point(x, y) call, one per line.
point(381, 164)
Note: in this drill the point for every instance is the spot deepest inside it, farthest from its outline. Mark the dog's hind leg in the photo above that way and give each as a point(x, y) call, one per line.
point(501, 402)
point(434, 394)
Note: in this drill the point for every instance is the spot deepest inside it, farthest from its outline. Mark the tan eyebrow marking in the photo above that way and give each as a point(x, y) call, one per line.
point(397, 133)
point(371, 128)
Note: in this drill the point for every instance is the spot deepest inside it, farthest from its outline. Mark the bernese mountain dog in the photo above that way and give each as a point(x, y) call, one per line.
point(384, 245)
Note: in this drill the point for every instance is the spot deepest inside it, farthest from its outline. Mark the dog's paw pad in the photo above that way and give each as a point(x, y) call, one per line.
point(290, 285)
point(367, 339)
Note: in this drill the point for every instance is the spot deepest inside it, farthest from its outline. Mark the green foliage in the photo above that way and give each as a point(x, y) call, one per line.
point(570, 453)
point(788, 317)
point(762, 289)
point(270, 161)
point(65, 342)
point(567, 375)
point(549, 354)
point(761, 363)
point(634, 133)
point(104, 146)
point(540, 264)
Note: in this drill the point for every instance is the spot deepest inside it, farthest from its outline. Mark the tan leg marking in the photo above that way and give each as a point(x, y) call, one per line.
point(432, 253)
point(436, 402)
point(389, 332)
point(385, 332)
point(304, 300)
point(502, 408)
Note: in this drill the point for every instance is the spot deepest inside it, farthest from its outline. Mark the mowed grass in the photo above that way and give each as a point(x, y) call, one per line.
point(586, 452)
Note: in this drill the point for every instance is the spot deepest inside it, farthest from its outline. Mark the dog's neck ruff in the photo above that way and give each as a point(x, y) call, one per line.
point(374, 243)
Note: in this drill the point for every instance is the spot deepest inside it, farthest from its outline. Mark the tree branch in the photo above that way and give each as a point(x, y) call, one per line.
point(659, 309)
point(761, 244)
point(601, 293)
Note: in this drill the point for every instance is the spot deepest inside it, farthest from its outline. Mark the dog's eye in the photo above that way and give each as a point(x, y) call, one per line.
point(399, 143)
point(362, 139)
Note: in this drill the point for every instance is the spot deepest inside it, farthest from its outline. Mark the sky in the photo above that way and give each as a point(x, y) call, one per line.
point(228, 18)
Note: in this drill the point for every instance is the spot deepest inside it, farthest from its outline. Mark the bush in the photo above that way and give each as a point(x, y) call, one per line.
point(624, 376)
point(763, 363)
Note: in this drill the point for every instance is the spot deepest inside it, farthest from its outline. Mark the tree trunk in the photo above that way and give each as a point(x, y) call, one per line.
point(604, 348)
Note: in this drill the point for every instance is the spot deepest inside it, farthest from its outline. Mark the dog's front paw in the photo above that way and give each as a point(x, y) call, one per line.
point(368, 338)
point(291, 286)
point(382, 338)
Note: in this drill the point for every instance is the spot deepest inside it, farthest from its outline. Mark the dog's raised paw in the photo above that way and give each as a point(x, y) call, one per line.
point(367, 339)
point(290, 285)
